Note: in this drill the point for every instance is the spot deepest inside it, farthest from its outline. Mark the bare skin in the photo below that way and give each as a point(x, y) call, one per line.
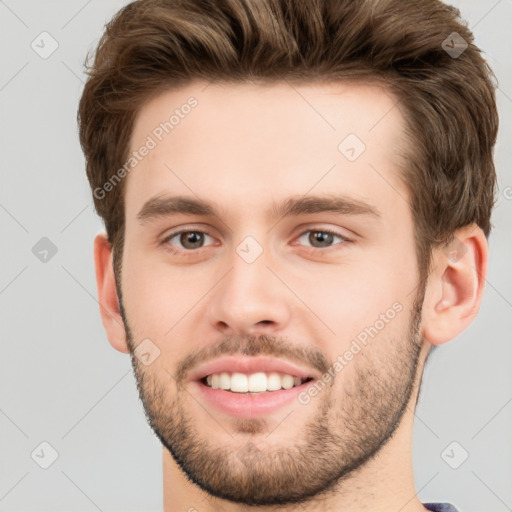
point(304, 299)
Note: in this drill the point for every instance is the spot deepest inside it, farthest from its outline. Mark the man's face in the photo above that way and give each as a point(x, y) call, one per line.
point(294, 292)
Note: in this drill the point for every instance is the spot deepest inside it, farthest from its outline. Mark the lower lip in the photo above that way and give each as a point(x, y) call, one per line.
point(241, 405)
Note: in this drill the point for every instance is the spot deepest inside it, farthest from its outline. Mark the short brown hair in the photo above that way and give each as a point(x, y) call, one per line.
point(448, 100)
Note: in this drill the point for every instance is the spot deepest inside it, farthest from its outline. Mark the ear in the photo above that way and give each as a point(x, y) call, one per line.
point(107, 294)
point(455, 287)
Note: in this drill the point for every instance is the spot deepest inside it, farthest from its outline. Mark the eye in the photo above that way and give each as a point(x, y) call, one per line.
point(189, 240)
point(321, 238)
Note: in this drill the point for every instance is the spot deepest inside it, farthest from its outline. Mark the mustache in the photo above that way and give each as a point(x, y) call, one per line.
point(262, 345)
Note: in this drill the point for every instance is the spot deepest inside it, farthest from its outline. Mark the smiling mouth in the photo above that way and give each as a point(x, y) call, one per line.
point(254, 383)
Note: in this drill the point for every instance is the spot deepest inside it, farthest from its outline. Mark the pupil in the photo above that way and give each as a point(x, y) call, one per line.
point(192, 238)
point(321, 237)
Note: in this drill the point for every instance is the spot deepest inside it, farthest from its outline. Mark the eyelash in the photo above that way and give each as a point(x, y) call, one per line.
point(191, 252)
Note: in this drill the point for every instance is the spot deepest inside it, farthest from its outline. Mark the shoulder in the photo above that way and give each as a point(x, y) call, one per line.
point(440, 507)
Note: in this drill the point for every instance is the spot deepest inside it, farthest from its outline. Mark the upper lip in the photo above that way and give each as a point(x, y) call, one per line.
point(249, 365)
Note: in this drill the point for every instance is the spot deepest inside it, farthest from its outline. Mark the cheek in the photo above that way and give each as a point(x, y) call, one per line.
point(154, 298)
point(351, 297)
point(372, 352)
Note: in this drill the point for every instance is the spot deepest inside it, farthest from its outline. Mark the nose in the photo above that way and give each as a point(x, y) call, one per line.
point(250, 299)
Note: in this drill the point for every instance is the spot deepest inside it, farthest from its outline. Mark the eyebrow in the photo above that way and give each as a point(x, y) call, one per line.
point(164, 206)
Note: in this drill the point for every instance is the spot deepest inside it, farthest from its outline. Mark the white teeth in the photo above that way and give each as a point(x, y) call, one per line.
point(254, 383)
point(287, 382)
point(257, 382)
point(239, 383)
point(224, 381)
point(273, 381)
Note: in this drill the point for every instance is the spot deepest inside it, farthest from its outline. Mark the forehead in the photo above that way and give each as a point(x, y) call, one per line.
point(247, 143)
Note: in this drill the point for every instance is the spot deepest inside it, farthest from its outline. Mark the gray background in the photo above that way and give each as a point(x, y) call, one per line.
point(62, 383)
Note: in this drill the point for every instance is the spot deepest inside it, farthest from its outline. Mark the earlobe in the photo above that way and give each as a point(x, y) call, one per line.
point(107, 294)
point(455, 287)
